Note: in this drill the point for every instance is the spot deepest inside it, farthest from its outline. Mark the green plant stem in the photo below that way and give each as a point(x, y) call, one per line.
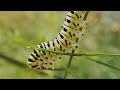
point(73, 74)
point(68, 64)
point(72, 54)
point(57, 69)
point(103, 63)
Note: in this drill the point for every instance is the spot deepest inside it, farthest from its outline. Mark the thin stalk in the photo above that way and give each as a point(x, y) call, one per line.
point(73, 74)
point(75, 54)
point(70, 60)
point(57, 69)
point(107, 65)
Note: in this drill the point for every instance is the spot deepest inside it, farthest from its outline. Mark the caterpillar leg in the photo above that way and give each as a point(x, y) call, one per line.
point(80, 33)
point(83, 24)
point(74, 45)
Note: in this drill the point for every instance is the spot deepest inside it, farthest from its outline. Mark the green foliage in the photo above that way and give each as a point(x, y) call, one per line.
point(21, 29)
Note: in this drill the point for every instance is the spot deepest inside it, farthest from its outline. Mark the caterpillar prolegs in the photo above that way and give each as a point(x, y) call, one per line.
point(65, 42)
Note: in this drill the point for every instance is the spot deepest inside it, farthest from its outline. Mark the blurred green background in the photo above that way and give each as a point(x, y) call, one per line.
point(19, 29)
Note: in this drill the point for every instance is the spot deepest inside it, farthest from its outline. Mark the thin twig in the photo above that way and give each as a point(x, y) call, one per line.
point(72, 54)
point(56, 69)
point(68, 64)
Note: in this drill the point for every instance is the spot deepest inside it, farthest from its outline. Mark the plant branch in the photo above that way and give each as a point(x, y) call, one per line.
point(72, 54)
point(73, 74)
point(68, 64)
point(56, 69)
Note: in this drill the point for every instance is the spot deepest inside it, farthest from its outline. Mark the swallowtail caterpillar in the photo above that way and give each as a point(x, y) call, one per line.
point(64, 42)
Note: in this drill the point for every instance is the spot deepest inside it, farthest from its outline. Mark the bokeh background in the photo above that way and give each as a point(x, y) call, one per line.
point(19, 29)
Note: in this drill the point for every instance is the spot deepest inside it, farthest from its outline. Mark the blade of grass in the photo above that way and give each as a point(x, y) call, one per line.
point(73, 54)
point(56, 69)
point(107, 65)
point(73, 74)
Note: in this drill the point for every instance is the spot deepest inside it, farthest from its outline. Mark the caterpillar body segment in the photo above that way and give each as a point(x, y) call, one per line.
point(77, 15)
point(71, 22)
point(60, 47)
point(47, 58)
point(66, 41)
point(70, 33)
point(52, 47)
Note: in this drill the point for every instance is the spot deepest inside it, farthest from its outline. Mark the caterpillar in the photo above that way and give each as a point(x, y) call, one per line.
point(65, 42)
